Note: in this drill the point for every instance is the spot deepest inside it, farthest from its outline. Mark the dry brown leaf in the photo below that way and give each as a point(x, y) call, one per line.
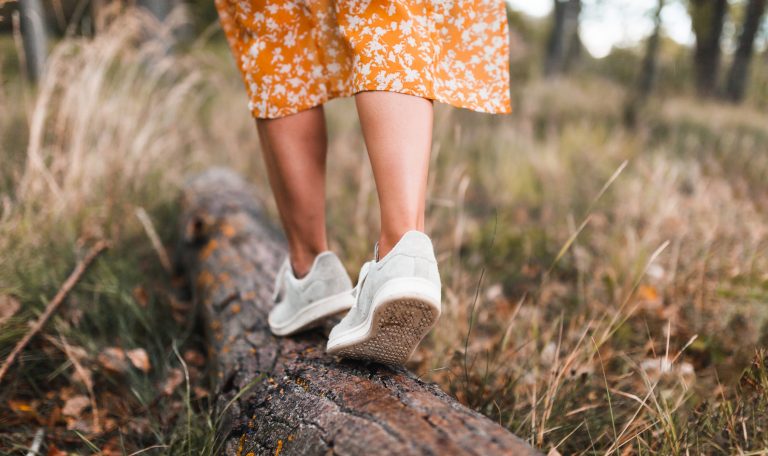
point(78, 353)
point(141, 297)
point(113, 359)
point(112, 448)
point(54, 451)
point(75, 405)
point(200, 392)
point(84, 426)
point(174, 379)
point(139, 359)
point(8, 307)
point(194, 358)
point(83, 376)
point(21, 406)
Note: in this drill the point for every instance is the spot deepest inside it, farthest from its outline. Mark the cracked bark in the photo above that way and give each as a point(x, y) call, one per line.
point(297, 399)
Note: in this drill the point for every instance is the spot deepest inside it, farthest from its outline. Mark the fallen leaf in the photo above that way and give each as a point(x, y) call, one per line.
point(83, 376)
point(53, 417)
point(648, 293)
point(77, 352)
point(66, 392)
point(139, 359)
point(175, 377)
point(194, 358)
point(141, 297)
point(83, 426)
point(55, 451)
point(75, 405)
point(8, 307)
point(113, 359)
point(112, 448)
point(200, 392)
point(21, 407)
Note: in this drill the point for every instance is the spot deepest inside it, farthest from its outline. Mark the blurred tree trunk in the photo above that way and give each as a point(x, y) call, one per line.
point(738, 75)
point(159, 8)
point(34, 36)
point(563, 44)
point(707, 18)
point(648, 71)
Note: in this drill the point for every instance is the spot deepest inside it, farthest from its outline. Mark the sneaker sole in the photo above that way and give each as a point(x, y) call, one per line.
point(403, 312)
point(314, 314)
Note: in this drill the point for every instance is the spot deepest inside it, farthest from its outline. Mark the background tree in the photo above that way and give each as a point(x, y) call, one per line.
point(35, 37)
point(648, 71)
point(735, 87)
point(707, 19)
point(563, 43)
point(159, 8)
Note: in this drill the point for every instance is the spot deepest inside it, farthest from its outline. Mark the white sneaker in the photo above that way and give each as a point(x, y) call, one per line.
point(397, 303)
point(303, 303)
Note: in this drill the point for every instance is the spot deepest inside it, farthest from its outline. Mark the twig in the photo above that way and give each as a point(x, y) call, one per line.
point(71, 281)
point(62, 344)
point(149, 227)
point(34, 449)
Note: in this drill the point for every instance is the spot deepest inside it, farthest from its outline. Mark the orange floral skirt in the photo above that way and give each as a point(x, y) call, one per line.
point(297, 54)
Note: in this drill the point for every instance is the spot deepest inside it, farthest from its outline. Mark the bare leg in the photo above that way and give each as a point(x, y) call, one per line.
point(398, 135)
point(294, 149)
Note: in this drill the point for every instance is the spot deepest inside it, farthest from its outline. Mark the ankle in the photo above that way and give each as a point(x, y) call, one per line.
point(388, 240)
point(301, 261)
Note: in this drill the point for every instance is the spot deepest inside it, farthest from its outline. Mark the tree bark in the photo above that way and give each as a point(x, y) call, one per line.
point(35, 37)
point(707, 18)
point(563, 42)
point(287, 395)
point(738, 75)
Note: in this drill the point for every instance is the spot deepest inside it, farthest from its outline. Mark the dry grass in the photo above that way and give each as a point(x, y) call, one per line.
point(605, 290)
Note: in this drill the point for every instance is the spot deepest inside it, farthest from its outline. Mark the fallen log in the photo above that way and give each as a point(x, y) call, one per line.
point(285, 395)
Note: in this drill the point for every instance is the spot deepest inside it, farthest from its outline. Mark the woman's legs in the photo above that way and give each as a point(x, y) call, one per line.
point(294, 149)
point(398, 135)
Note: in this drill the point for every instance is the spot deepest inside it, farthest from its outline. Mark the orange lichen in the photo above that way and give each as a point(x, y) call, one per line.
point(279, 447)
point(303, 383)
point(228, 230)
point(240, 445)
point(208, 249)
point(204, 279)
point(235, 309)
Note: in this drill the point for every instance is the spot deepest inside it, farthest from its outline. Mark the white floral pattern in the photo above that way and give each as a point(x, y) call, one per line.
point(296, 54)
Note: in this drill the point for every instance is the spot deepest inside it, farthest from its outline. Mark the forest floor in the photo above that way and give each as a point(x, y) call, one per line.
point(605, 289)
